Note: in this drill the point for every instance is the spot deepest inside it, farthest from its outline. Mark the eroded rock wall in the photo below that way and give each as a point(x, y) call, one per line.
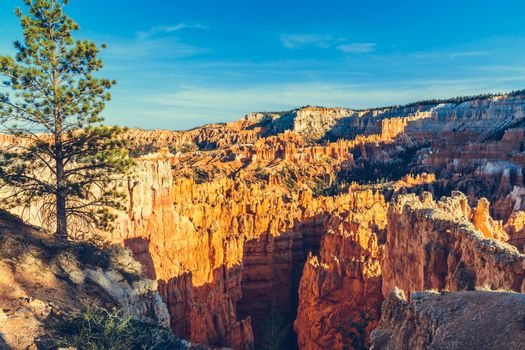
point(222, 250)
point(198, 270)
point(344, 281)
point(434, 245)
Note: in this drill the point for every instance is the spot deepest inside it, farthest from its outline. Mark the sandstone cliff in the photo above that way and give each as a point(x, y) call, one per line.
point(222, 250)
point(433, 245)
point(345, 280)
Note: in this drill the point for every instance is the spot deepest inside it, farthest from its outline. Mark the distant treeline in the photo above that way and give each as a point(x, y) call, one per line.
point(453, 100)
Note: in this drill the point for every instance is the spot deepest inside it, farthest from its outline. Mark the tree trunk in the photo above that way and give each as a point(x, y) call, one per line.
point(61, 232)
point(61, 215)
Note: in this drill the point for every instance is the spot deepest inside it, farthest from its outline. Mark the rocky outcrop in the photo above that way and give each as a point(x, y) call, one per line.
point(451, 320)
point(40, 278)
point(315, 122)
point(433, 245)
point(515, 228)
point(344, 282)
point(482, 221)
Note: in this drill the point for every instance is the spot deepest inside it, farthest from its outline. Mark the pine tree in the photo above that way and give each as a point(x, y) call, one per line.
point(51, 102)
point(274, 330)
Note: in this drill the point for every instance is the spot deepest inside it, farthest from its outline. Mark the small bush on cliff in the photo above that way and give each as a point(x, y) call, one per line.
point(357, 335)
point(329, 186)
point(101, 329)
point(201, 176)
point(274, 330)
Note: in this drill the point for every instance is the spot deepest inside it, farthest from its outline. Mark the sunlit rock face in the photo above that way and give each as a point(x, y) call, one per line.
point(434, 245)
point(321, 212)
point(345, 279)
point(223, 250)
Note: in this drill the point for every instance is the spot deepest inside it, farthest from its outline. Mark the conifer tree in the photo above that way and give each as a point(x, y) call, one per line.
point(51, 101)
point(274, 330)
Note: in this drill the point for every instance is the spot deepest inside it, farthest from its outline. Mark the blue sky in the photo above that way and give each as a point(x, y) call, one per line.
point(181, 64)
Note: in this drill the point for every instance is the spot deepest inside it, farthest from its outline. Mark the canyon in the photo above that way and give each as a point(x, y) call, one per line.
point(338, 219)
point(295, 209)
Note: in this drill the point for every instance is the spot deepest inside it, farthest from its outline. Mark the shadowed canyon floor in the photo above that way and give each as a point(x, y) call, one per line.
point(323, 212)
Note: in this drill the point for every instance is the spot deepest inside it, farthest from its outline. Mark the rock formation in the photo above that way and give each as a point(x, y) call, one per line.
point(433, 245)
point(345, 280)
point(40, 278)
point(451, 320)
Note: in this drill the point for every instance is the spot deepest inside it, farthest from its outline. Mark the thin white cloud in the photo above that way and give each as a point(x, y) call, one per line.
point(357, 47)
point(169, 29)
point(299, 41)
point(519, 68)
point(468, 54)
point(450, 54)
point(120, 49)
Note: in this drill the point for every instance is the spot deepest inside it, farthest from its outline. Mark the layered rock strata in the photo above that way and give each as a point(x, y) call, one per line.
point(344, 281)
point(434, 245)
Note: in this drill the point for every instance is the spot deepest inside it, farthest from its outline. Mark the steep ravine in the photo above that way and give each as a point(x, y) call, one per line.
point(224, 252)
point(343, 282)
point(272, 269)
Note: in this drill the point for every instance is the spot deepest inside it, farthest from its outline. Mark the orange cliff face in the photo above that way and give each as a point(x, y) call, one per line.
point(198, 271)
point(434, 245)
point(221, 248)
point(202, 241)
point(344, 281)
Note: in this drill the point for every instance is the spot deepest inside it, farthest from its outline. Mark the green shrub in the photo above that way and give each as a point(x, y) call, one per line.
point(357, 335)
point(201, 176)
point(101, 329)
